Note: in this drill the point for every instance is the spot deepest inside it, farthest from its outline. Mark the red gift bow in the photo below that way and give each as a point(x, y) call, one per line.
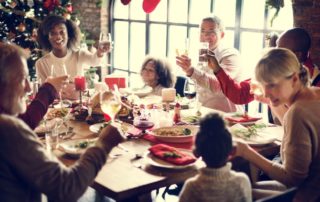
point(171, 154)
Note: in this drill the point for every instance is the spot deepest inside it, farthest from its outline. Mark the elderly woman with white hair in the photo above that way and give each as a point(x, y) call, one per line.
point(285, 82)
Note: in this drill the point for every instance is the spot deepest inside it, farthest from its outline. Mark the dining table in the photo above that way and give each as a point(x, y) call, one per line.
point(128, 174)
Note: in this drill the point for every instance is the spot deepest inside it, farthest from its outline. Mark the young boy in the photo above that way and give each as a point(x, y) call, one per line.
point(216, 181)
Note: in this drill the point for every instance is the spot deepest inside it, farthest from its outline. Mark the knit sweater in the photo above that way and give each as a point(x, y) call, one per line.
point(209, 89)
point(220, 184)
point(27, 169)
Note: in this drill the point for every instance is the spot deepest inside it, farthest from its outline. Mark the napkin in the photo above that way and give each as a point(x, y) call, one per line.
point(242, 119)
point(171, 154)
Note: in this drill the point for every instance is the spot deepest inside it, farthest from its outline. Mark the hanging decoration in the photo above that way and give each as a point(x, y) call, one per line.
point(148, 5)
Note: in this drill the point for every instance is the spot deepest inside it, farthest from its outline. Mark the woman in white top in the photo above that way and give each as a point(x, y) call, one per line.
point(61, 38)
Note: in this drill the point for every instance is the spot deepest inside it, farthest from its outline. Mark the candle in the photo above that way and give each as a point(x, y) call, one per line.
point(168, 94)
point(80, 83)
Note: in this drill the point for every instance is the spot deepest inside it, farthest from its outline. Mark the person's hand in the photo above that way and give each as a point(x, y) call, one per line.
point(213, 62)
point(185, 63)
point(241, 148)
point(103, 48)
point(256, 90)
point(109, 137)
point(57, 82)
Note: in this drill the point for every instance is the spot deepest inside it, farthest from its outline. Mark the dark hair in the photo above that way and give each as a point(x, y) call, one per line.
point(300, 38)
point(74, 34)
point(272, 38)
point(163, 71)
point(213, 141)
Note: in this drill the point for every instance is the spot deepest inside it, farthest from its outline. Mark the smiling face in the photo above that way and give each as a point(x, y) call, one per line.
point(149, 74)
point(210, 32)
point(280, 91)
point(58, 38)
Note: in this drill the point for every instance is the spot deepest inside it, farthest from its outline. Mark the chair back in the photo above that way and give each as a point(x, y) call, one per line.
point(179, 86)
point(286, 196)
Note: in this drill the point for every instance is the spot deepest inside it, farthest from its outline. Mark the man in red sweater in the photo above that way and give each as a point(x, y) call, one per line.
point(296, 39)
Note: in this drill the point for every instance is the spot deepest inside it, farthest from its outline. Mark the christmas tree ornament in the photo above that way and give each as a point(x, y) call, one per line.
point(21, 27)
point(125, 2)
point(149, 5)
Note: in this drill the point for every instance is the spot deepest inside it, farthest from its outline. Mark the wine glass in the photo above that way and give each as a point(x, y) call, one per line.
point(203, 50)
point(189, 90)
point(105, 40)
point(110, 103)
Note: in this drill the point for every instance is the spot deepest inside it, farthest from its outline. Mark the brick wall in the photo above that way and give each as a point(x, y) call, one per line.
point(92, 18)
point(307, 15)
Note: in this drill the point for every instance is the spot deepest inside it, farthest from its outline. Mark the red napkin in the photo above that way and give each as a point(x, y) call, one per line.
point(171, 154)
point(242, 119)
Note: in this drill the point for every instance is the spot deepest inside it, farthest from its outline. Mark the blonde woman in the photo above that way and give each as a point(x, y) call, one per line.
point(285, 82)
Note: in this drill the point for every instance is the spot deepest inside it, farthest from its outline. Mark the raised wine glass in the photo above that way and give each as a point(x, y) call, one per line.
point(110, 103)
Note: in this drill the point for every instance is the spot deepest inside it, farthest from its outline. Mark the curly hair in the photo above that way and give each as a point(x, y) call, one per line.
point(74, 34)
point(213, 141)
point(163, 71)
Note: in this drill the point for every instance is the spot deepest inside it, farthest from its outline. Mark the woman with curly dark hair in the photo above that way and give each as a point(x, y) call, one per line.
point(61, 38)
point(157, 74)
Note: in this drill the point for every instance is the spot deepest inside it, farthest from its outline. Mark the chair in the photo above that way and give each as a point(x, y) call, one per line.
point(179, 86)
point(286, 196)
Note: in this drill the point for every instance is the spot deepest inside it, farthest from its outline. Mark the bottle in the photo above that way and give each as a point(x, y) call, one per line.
point(177, 115)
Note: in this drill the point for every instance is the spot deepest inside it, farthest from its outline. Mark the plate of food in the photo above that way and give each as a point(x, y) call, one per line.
point(242, 118)
point(164, 156)
point(176, 134)
point(56, 113)
point(254, 135)
point(96, 128)
point(76, 147)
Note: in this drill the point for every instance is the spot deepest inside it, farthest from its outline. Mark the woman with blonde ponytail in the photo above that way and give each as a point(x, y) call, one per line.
point(286, 82)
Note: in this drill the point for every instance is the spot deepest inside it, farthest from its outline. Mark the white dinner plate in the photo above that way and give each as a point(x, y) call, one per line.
point(262, 137)
point(73, 147)
point(95, 128)
point(154, 161)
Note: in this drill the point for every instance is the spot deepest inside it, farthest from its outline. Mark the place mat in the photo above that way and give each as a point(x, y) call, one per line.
point(135, 132)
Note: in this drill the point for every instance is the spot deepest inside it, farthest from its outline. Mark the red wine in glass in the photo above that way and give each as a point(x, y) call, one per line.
point(190, 95)
point(143, 125)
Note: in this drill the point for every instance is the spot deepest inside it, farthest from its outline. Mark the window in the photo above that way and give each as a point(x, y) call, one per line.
point(137, 34)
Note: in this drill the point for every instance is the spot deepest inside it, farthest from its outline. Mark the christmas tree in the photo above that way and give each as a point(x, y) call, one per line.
point(19, 20)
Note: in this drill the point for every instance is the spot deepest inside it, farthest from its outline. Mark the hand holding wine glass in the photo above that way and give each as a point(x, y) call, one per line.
point(105, 43)
point(110, 103)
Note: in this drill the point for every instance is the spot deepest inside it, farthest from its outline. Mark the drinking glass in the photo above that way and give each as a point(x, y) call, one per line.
point(203, 50)
point(190, 90)
point(110, 103)
point(185, 49)
point(105, 40)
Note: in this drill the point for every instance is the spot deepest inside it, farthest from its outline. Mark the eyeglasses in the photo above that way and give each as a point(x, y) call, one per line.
point(210, 33)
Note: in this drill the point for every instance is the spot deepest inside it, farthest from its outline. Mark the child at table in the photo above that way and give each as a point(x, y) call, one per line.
point(216, 181)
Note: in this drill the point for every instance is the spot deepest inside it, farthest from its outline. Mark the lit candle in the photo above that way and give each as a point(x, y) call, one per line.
point(80, 83)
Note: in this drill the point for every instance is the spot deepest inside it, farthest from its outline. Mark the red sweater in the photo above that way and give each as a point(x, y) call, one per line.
point(39, 105)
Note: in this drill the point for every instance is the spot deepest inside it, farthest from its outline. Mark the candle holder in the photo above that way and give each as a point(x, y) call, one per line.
point(80, 85)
